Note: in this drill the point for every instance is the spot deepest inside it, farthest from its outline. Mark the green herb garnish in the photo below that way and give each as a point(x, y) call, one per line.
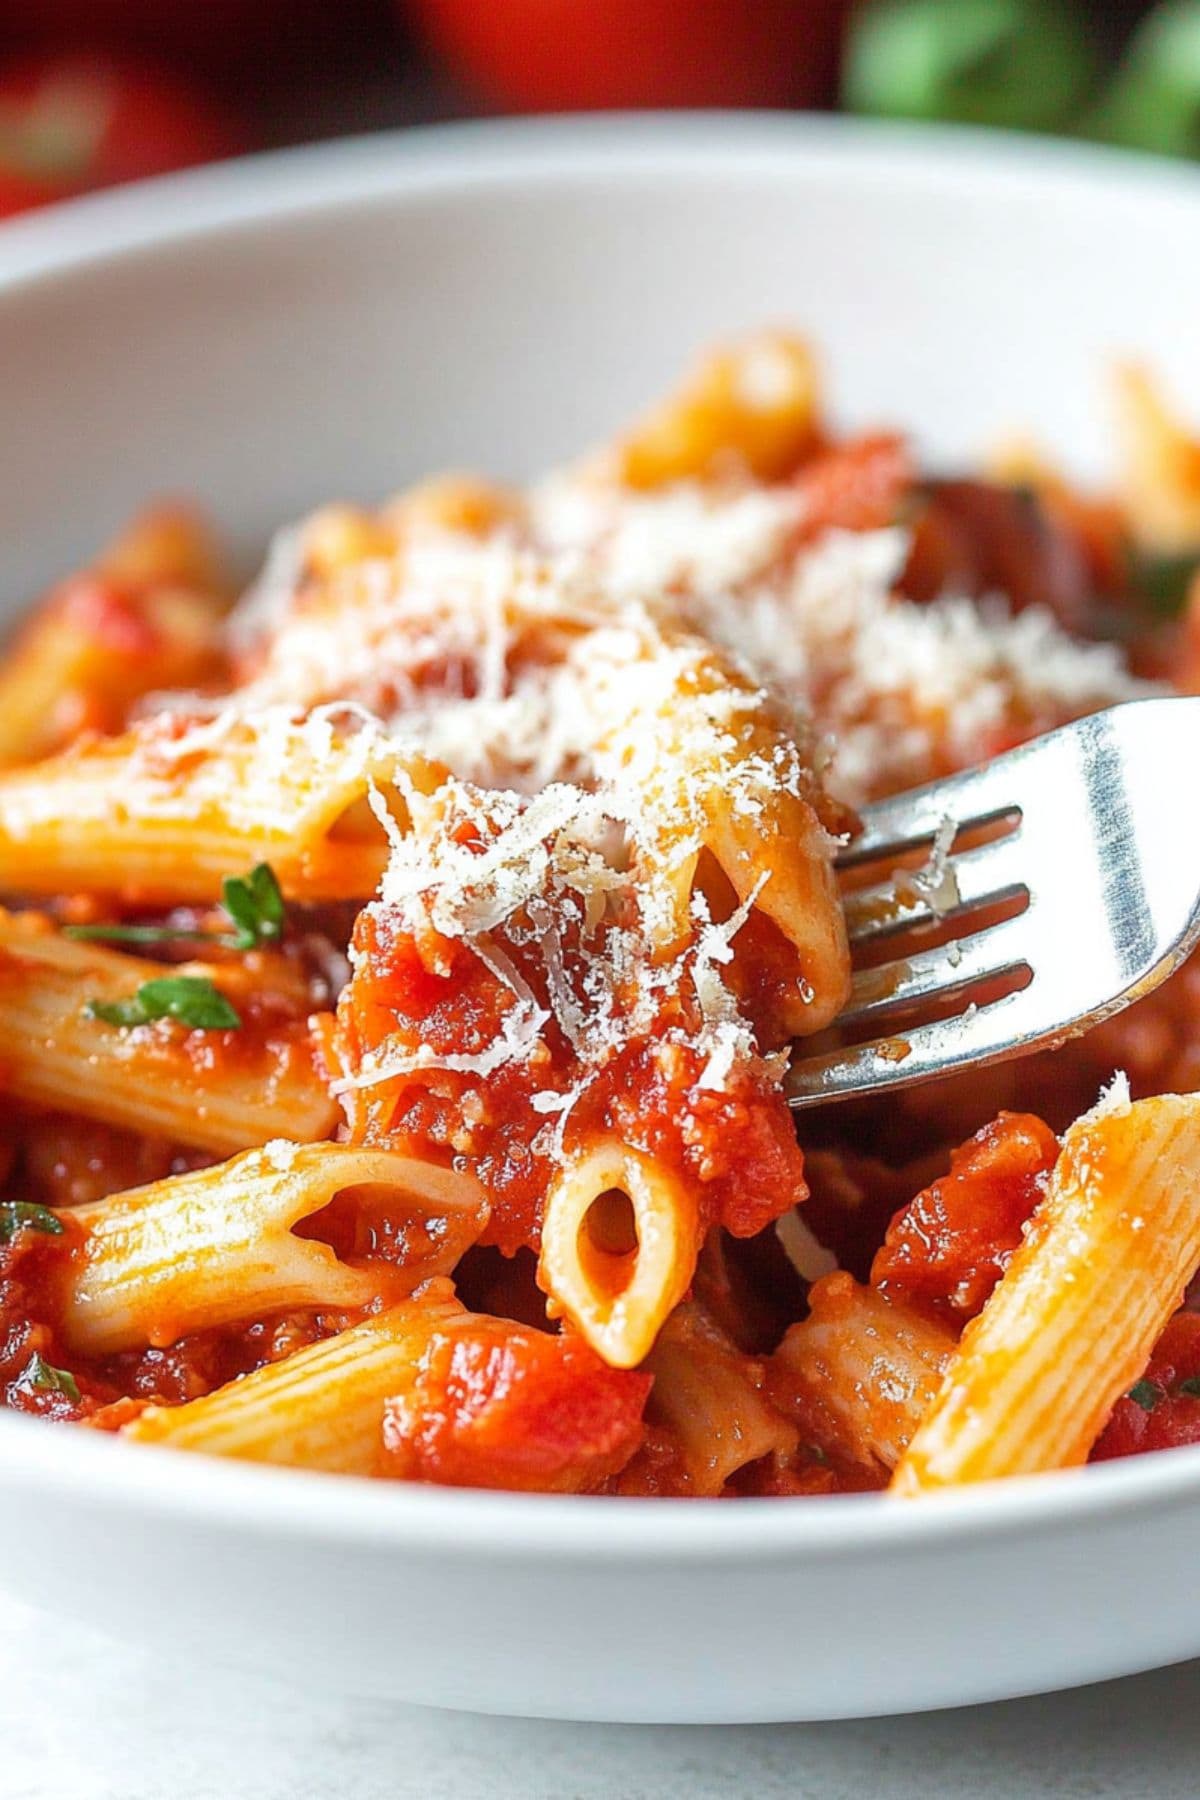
point(1145, 1394)
point(38, 1373)
point(17, 1215)
point(254, 903)
point(135, 934)
point(1191, 1387)
point(192, 999)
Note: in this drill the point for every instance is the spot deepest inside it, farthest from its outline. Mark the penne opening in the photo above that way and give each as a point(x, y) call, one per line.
point(766, 967)
point(361, 824)
point(374, 1225)
point(608, 1242)
point(619, 1244)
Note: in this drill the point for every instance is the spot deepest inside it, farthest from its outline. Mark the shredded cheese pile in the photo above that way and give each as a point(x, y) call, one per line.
point(580, 670)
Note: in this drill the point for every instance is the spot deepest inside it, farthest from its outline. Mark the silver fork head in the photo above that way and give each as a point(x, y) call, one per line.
point(1092, 842)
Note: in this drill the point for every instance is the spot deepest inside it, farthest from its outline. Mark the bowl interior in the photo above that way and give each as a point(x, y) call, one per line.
point(335, 323)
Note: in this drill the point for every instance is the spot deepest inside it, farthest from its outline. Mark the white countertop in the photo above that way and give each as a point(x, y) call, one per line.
point(84, 1719)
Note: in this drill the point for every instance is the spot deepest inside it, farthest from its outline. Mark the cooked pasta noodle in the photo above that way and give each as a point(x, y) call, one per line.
point(461, 890)
point(160, 1079)
point(1072, 1323)
point(218, 1246)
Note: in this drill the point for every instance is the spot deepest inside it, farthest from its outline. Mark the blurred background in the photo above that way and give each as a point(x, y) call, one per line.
point(94, 92)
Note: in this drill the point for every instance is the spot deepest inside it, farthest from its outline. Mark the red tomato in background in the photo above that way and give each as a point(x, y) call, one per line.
point(559, 55)
point(72, 123)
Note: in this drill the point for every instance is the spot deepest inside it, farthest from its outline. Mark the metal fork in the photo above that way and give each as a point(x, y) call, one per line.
point(1090, 832)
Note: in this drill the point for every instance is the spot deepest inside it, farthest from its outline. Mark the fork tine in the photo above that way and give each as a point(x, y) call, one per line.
point(1112, 887)
point(990, 874)
point(948, 970)
point(976, 1037)
point(906, 822)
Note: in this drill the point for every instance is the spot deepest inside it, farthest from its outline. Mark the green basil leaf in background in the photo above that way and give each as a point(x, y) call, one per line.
point(1153, 100)
point(18, 1215)
point(192, 999)
point(1026, 63)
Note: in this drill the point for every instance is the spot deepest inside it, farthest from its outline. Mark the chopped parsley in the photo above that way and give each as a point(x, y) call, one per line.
point(40, 1374)
point(254, 903)
point(192, 999)
point(1145, 1394)
point(1191, 1387)
point(18, 1215)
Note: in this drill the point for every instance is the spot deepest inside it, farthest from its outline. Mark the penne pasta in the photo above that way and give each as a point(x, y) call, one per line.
point(170, 544)
point(861, 1372)
point(710, 1401)
point(454, 502)
point(1072, 1322)
point(751, 404)
point(319, 1409)
point(145, 616)
point(220, 1092)
point(218, 1246)
point(620, 1239)
point(718, 775)
point(1161, 466)
point(165, 812)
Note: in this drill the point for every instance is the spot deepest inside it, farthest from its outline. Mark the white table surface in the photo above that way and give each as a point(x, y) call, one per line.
point(84, 1719)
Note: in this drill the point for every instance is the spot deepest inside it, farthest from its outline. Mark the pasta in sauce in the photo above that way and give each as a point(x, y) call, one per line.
point(400, 965)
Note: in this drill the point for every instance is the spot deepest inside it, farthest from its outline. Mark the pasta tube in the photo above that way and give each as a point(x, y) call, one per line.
point(187, 1087)
point(620, 1239)
point(751, 404)
point(217, 1246)
point(319, 1409)
point(1072, 1322)
point(711, 1399)
point(165, 812)
point(860, 1373)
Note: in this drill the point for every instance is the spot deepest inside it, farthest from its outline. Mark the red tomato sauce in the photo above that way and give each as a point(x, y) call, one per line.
point(1162, 1410)
point(736, 1145)
point(951, 1245)
point(507, 1407)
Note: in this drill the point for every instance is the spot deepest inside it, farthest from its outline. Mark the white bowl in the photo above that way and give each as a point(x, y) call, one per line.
point(333, 322)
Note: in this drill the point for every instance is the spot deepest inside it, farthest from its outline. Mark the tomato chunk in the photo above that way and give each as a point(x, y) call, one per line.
point(954, 1241)
point(502, 1406)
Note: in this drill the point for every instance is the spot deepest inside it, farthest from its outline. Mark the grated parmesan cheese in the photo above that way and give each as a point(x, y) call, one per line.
point(595, 681)
point(1114, 1100)
point(934, 884)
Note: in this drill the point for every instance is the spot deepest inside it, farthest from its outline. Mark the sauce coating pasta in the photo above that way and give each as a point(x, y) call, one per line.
point(399, 966)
